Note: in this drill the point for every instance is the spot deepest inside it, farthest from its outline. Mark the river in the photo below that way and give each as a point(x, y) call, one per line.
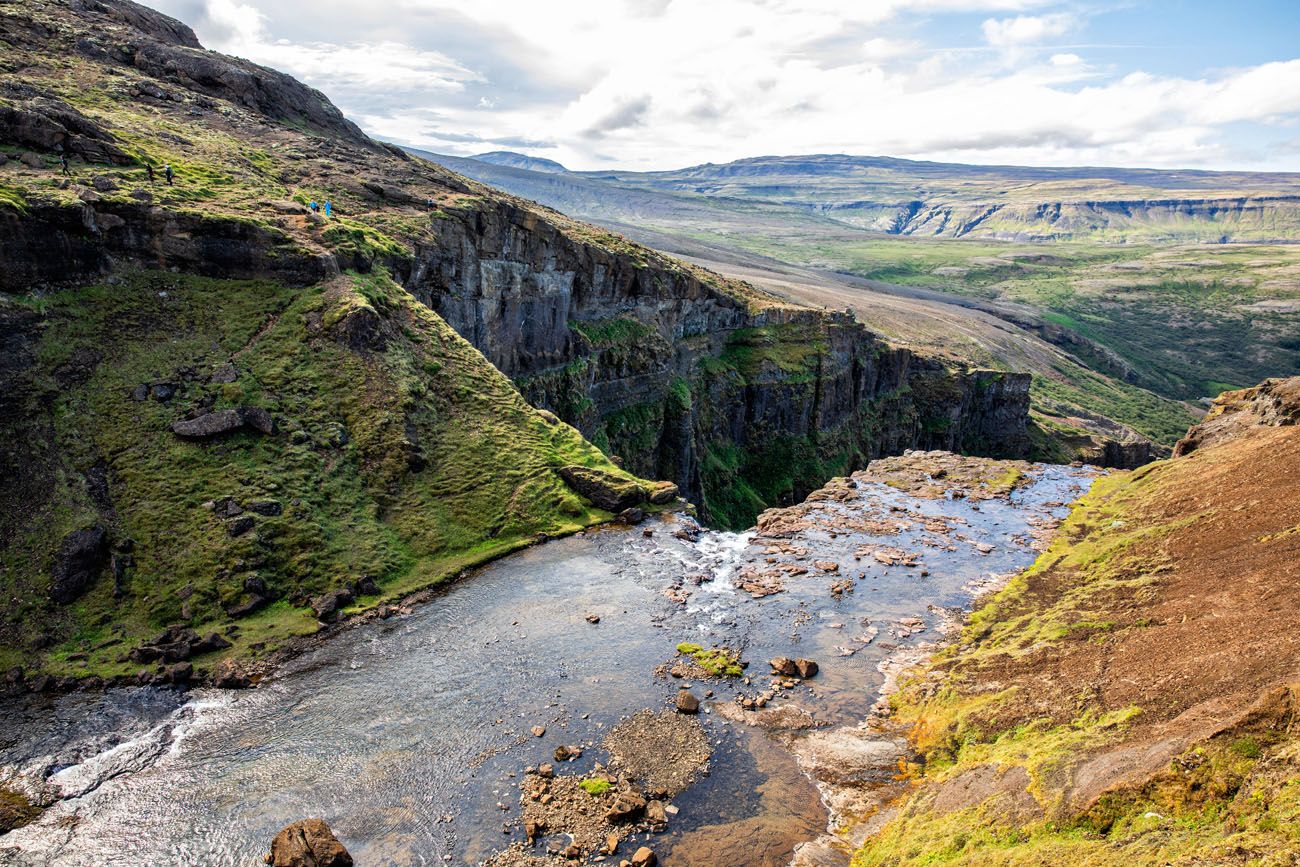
point(408, 735)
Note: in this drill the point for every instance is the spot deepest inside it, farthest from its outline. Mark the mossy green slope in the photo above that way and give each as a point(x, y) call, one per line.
point(401, 454)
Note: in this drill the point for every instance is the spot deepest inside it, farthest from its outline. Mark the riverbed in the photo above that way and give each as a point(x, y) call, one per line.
point(409, 735)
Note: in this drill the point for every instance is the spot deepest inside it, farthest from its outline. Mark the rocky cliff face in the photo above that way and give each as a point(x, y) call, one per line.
point(744, 403)
point(1272, 403)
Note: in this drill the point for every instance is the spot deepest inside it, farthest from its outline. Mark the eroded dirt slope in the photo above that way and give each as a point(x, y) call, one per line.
point(1132, 698)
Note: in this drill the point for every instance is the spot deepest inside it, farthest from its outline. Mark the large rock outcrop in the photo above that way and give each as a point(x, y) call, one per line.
point(1272, 403)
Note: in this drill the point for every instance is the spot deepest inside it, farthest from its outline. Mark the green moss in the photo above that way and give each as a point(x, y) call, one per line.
point(718, 661)
point(793, 349)
point(610, 332)
point(596, 785)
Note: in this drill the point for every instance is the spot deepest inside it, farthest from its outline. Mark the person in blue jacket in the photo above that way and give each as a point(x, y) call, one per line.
point(327, 209)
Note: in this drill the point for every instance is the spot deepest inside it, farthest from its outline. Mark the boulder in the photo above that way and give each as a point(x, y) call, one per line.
point(366, 586)
point(240, 526)
point(663, 493)
point(308, 843)
point(225, 421)
point(82, 556)
point(806, 668)
point(655, 813)
point(605, 490)
point(627, 807)
point(644, 857)
point(631, 516)
point(327, 605)
point(266, 508)
point(210, 642)
point(687, 702)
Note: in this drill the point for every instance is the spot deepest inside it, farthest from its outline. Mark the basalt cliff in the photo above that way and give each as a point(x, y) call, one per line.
point(228, 418)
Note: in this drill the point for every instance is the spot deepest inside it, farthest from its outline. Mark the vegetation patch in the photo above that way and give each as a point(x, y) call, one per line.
point(717, 661)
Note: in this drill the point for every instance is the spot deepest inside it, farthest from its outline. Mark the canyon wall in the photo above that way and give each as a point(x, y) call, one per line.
point(744, 404)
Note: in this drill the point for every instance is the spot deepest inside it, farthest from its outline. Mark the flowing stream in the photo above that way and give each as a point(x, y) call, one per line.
point(408, 735)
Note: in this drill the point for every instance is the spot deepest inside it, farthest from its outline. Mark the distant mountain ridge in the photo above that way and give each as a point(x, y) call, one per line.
point(520, 161)
point(895, 196)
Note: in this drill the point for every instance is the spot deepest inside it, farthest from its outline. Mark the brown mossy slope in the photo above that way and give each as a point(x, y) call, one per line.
point(1133, 697)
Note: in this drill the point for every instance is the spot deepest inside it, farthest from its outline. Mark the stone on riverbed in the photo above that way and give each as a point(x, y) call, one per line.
point(687, 702)
point(308, 843)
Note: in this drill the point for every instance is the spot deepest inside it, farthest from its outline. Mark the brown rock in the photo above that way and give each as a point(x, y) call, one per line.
point(538, 731)
point(687, 702)
point(644, 857)
point(308, 843)
point(627, 806)
point(784, 666)
point(566, 753)
point(806, 668)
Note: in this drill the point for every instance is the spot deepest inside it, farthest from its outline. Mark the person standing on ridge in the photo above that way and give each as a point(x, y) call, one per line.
point(167, 173)
point(327, 209)
point(148, 167)
point(63, 162)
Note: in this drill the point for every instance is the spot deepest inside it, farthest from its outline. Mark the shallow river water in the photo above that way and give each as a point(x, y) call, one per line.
point(408, 735)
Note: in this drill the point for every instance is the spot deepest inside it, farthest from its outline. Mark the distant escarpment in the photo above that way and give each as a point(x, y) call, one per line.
point(1205, 219)
point(743, 401)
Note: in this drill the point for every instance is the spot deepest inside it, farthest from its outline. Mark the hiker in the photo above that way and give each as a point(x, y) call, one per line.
point(63, 162)
point(315, 208)
point(167, 173)
point(327, 209)
point(148, 167)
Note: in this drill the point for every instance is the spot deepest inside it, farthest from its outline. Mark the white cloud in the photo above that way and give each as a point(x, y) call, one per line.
point(1026, 29)
point(667, 83)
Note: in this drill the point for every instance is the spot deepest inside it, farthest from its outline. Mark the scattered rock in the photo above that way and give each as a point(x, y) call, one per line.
point(539, 731)
point(308, 843)
point(655, 813)
point(225, 421)
point(687, 702)
point(567, 753)
point(644, 857)
point(266, 508)
point(631, 516)
point(593, 618)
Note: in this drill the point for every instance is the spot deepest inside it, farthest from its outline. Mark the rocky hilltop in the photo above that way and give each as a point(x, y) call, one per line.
point(229, 417)
point(1133, 696)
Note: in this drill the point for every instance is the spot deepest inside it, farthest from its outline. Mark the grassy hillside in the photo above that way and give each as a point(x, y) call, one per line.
point(400, 454)
point(1131, 698)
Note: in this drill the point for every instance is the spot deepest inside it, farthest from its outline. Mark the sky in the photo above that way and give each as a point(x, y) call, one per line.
point(662, 84)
